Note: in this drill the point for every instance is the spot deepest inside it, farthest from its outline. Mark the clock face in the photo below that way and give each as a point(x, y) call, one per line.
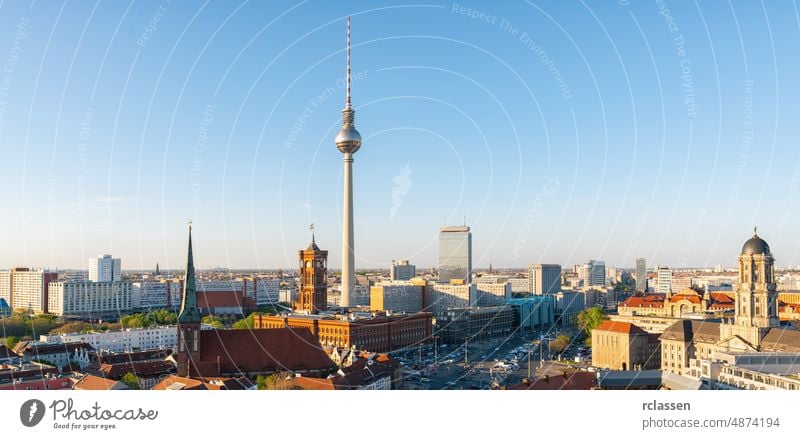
point(308, 264)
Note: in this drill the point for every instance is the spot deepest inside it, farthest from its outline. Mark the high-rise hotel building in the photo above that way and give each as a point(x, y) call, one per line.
point(455, 254)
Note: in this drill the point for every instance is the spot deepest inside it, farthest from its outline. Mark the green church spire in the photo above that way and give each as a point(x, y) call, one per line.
point(189, 312)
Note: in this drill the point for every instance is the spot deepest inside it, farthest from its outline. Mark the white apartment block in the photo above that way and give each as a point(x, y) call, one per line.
point(127, 340)
point(664, 280)
point(87, 298)
point(442, 297)
point(492, 294)
point(150, 295)
point(104, 268)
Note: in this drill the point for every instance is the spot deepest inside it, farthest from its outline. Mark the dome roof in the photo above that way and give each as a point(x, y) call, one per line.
point(755, 246)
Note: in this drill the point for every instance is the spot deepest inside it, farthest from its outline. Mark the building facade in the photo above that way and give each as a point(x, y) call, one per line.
point(455, 254)
point(492, 293)
point(104, 268)
point(641, 275)
point(442, 297)
point(475, 323)
point(534, 312)
point(379, 333)
point(398, 296)
point(663, 280)
point(402, 270)
point(544, 278)
point(25, 288)
point(126, 340)
point(624, 346)
point(89, 299)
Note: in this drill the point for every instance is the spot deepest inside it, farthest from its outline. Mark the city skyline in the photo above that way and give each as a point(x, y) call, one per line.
point(116, 133)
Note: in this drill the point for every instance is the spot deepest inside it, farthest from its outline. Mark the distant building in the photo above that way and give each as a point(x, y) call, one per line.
point(534, 312)
point(89, 299)
point(150, 295)
point(492, 293)
point(519, 285)
point(641, 275)
point(597, 274)
point(442, 297)
point(59, 354)
point(624, 346)
point(126, 340)
point(592, 273)
point(25, 288)
point(379, 333)
point(475, 323)
point(544, 278)
point(568, 305)
point(104, 268)
point(398, 296)
point(664, 280)
point(455, 254)
point(402, 270)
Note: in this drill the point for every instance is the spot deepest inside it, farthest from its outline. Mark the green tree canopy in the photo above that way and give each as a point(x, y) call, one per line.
point(11, 341)
point(130, 380)
point(245, 323)
point(560, 343)
point(590, 319)
point(213, 321)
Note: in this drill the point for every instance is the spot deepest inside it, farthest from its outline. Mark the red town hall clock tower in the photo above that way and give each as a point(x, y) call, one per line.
point(313, 296)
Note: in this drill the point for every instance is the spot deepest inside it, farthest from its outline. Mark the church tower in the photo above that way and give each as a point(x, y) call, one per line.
point(756, 293)
point(313, 296)
point(188, 320)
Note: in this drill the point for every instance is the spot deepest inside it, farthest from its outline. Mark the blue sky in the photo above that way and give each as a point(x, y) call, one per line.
point(561, 131)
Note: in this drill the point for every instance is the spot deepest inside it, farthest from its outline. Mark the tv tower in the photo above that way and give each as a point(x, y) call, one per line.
point(348, 141)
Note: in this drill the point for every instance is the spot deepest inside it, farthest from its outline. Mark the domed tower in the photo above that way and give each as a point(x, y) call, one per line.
point(348, 141)
point(756, 292)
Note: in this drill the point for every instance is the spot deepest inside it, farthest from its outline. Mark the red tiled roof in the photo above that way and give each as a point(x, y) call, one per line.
point(234, 351)
point(91, 382)
point(174, 382)
point(693, 298)
point(307, 383)
point(140, 369)
point(649, 301)
point(621, 327)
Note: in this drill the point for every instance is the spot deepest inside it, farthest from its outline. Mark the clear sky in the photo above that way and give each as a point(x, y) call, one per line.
point(561, 131)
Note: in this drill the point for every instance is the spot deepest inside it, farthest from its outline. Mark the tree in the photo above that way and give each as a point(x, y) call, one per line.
point(245, 323)
point(213, 321)
point(70, 328)
point(560, 343)
point(590, 319)
point(281, 381)
point(130, 380)
point(11, 341)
